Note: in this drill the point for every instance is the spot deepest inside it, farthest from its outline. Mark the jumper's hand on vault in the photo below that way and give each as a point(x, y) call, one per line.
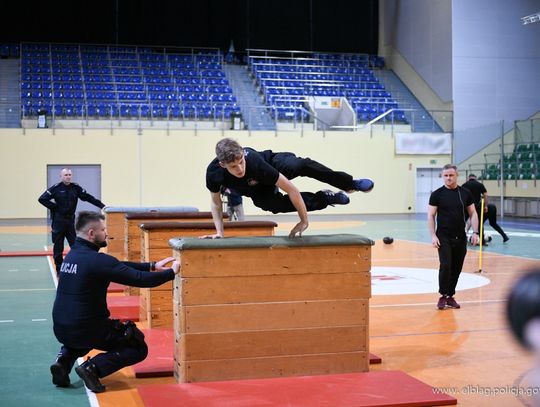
point(298, 229)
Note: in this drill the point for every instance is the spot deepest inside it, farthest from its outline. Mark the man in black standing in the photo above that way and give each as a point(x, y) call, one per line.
point(478, 191)
point(80, 315)
point(62, 200)
point(447, 212)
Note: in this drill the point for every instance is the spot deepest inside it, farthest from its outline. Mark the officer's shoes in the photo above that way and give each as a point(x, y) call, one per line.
point(60, 375)
point(88, 373)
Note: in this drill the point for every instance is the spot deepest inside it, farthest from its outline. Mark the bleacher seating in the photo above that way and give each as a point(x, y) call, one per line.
point(9, 50)
point(522, 164)
point(86, 81)
point(287, 82)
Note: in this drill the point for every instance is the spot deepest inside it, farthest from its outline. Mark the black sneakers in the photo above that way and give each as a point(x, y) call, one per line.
point(334, 198)
point(60, 375)
point(362, 184)
point(88, 373)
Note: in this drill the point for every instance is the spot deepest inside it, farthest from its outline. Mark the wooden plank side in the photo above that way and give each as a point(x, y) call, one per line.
point(115, 230)
point(274, 288)
point(163, 319)
point(274, 315)
point(276, 260)
point(305, 341)
point(157, 254)
point(160, 238)
point(144, 304)
point(281, 366)
point(132, 242)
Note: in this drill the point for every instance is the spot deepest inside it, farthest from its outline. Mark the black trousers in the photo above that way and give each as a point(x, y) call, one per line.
point(271, 199)
point(491, 216)
point(452, 253)
point(121, 349)
point(62, 228)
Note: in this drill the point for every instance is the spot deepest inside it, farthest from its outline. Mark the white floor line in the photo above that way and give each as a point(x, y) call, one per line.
point(433, 303)
point(3, 321)
point(92, 398)
point(25, 289)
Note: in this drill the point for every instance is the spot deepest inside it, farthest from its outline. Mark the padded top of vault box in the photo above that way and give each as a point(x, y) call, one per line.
point(169, 214)
point(113, 209)
point(270, 241)
point(208, 225)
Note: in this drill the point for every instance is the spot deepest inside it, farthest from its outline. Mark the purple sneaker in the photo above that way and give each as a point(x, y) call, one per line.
point(362, 184)
point(441, 304)
point(334, 198)
point(450, 302)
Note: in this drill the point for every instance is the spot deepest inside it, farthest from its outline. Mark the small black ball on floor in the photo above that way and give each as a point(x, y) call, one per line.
point(388, 240)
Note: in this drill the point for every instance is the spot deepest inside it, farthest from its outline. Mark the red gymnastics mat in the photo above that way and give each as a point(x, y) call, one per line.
point(124, 307)
point(160, 361)
point(116, 288)
point(392, 388)
point(29, 253)
point(25, 253)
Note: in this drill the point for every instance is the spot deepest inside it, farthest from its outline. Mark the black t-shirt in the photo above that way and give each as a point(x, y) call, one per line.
point(451, 210)
point(259, 174)
point(477, 189)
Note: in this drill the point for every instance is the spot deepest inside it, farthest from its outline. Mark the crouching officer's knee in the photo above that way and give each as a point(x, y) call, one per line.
point(134, 337)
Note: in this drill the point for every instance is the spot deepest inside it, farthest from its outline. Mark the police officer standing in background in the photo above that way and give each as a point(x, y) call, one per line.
point(80, 315)
point(62, 200)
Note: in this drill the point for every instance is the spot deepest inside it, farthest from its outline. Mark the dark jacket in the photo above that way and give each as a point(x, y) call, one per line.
point(80, 310)
point(62, 199)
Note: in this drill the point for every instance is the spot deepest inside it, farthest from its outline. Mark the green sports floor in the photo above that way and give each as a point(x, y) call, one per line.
point(27, 343)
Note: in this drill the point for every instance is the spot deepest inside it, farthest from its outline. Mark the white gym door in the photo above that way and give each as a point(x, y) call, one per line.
point(87, 176)
point(427, 181)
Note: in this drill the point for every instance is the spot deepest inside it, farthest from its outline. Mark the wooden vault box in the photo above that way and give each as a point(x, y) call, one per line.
point(261, 307)
point(114, 218)
point(156, 303)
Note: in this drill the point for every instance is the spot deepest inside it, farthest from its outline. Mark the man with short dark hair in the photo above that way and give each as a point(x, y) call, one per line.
point(261, 174)
point(80, 315)
point(62, 200)
point(447, 211)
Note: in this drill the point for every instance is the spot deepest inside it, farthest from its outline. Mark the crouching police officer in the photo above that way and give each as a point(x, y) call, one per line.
point(80, 314)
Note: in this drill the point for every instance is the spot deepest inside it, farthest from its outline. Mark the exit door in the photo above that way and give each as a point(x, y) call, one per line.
point(427, 181)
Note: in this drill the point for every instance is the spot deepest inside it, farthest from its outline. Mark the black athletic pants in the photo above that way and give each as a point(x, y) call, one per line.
point(291, 166)
point(62, 228)
point(121, 349)
point(452, 253)
point(491, 216)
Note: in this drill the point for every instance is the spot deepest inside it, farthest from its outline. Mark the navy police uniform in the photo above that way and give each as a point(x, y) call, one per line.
point(80, 314)
point(62, 200)
point(262, 173)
